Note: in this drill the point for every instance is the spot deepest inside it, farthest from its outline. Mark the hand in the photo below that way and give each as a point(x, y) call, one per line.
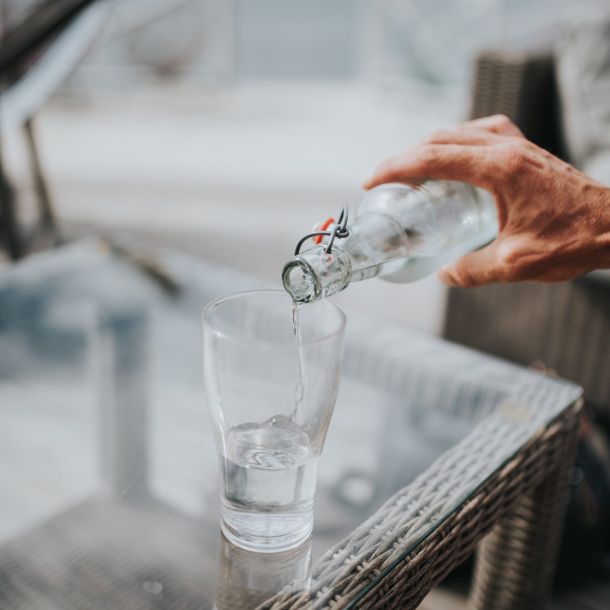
point(554, 221)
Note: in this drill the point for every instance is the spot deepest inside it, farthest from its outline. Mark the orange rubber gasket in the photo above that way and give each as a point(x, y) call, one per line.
point(318, 238)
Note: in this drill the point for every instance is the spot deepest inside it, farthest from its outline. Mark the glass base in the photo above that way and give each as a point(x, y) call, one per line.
point(266, 532)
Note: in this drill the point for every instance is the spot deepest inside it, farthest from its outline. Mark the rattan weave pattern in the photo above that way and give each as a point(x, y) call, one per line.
point(511, 449)
point(563, 326)
point(520, 553)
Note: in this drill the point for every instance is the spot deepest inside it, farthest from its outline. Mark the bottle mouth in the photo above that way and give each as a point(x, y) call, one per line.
point(300, 282)
point(316, 274)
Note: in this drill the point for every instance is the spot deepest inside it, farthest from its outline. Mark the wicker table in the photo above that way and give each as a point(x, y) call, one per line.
point(108, 469)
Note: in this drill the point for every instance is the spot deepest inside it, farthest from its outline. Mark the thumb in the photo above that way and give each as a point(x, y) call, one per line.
point(473, 269)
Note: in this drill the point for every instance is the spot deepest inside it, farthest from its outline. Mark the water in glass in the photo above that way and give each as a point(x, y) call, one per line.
point(269, 475)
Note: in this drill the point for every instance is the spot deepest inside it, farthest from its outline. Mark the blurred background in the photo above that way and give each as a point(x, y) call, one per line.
point(227, 128)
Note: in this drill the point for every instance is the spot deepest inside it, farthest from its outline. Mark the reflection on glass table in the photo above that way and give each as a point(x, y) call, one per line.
point(109, 473)
point(247, 578)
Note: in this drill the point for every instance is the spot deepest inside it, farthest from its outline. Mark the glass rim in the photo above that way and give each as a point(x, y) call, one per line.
point(208, 327)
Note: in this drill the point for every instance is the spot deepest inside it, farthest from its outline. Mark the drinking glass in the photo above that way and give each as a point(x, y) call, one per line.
point(271, 375)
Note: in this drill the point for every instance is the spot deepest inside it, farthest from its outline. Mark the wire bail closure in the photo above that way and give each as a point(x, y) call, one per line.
point(339, 231)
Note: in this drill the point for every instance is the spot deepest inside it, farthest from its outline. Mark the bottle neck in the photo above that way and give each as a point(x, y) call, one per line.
point(315, 274)
point(373, 240)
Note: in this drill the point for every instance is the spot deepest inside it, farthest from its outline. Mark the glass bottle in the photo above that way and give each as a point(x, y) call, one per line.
point(401, 234)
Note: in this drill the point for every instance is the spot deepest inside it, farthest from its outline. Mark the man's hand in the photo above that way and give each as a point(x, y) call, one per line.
point(554, 221)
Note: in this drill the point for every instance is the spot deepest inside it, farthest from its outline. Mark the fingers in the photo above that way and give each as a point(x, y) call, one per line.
point(473, 164)
point(497, 123)
point(474, 269)
point(462, 134)
point(489, 130)
point(452, 154)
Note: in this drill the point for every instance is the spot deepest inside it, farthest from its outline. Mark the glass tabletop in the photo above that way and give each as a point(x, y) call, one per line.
point(109, 470)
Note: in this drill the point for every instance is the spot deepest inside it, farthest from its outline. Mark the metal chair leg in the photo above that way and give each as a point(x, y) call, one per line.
point(47, 216)
point(9, 228)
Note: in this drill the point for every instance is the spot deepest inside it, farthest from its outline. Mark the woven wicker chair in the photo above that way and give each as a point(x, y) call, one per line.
point(515, 517)
point(563, 327)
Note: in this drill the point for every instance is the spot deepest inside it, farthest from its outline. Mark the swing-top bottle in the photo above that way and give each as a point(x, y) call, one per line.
point(399, 233)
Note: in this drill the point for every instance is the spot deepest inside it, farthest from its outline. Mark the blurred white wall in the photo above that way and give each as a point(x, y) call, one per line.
point(397, 41)
point(228, 127)
point(236, 175)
